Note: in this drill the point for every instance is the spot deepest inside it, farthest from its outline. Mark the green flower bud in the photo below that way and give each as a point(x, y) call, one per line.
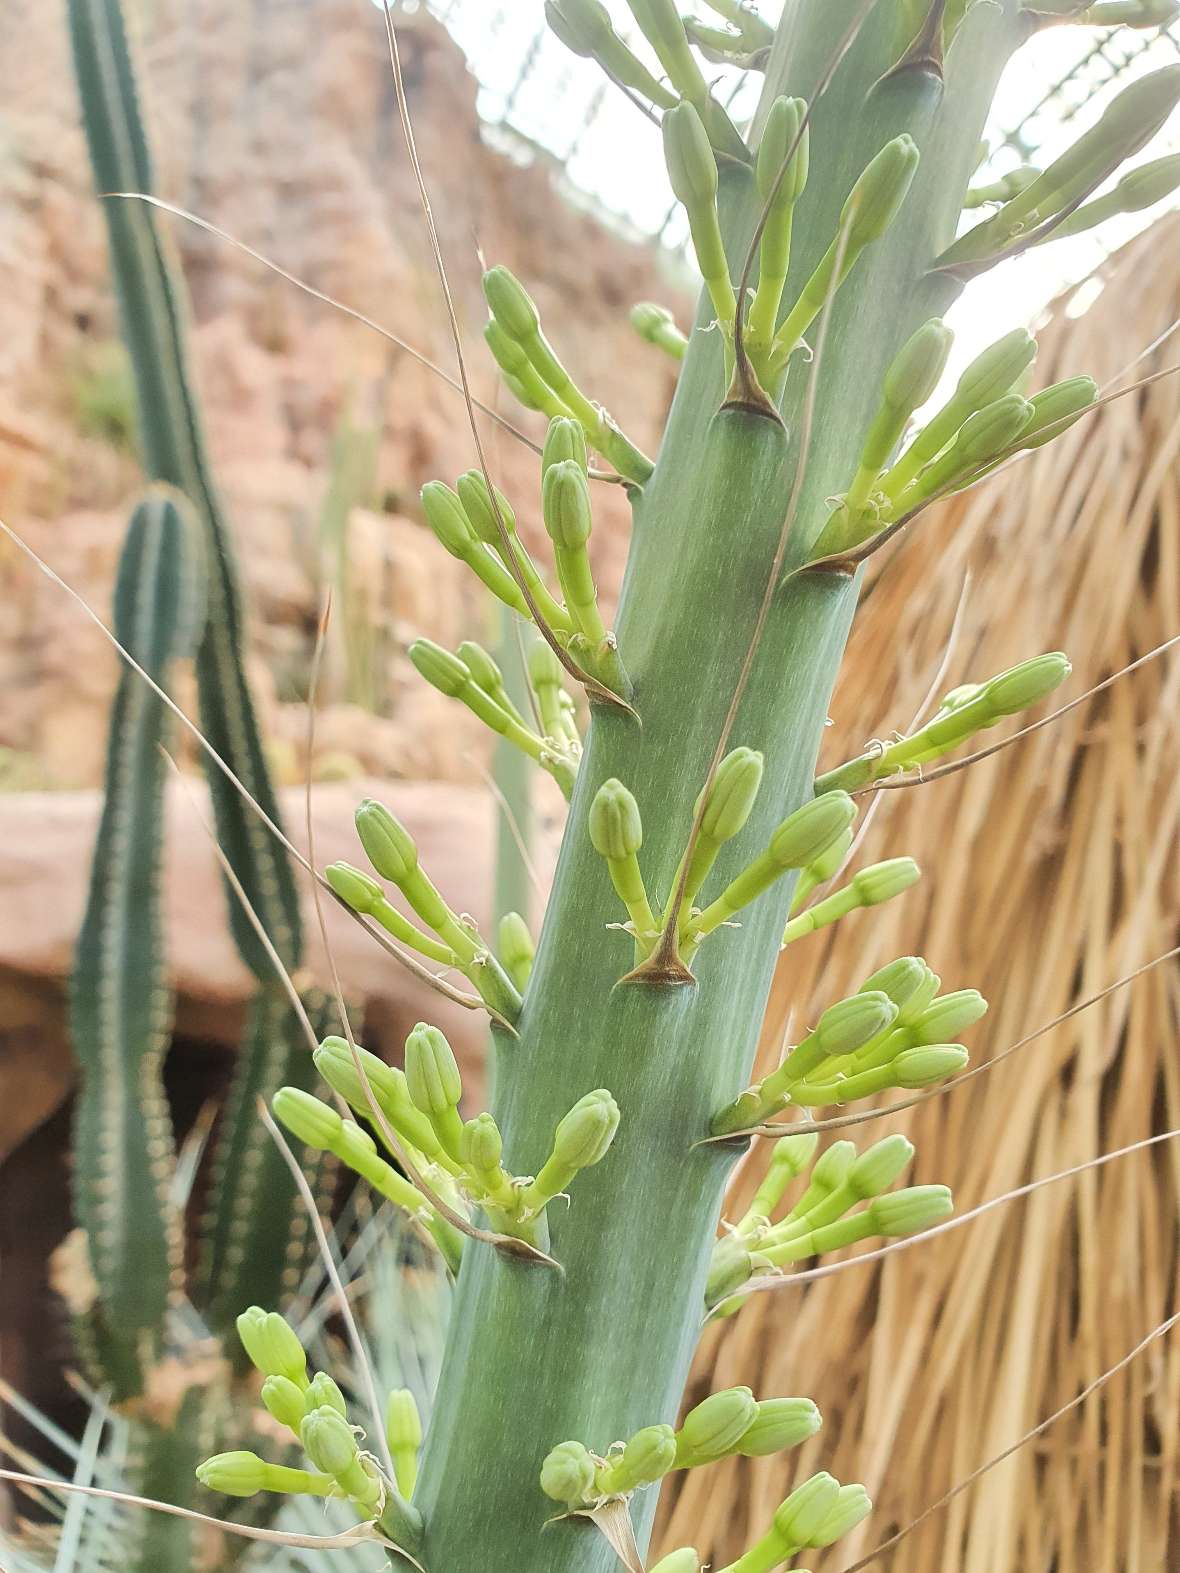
point(692, 166)
point(875, 199)
point(544, 667)
point(882, 881)
point(432, 1072)
point(905, 1212)
point(234, 1474)
point(565, 502)
point(780, 1423)
point(565, 442)
point(581, 25)
point(942, 1021)
point(446, 517)
point(715, 1427)
point(806, 1510)
point(685, 1560)
point(403, 1423)
point(440, 668)
point(1064, 401)
point(656, 325)
point(477, 505)
point(482, 1145)
point(923, 1067)
point(567, 1475)
point(482, 668)
point(308, 1118)
point(388, 845)
point(516, 947)
point(915, 370)
point(357, 890)
point(506, 352)
point(998, 368)
point(584, 1135)
point(732, 794)
point(794, 1153)
point(807, 833)
point(778, 136)
point(647, 1457)
point(616, 830)
point(1132, 13)
point(991, 429)
point(877, 1168)
point(833, 1167)
point(851, 1507)
point(272, 1346)
point(329, 1441)
point(510, 304)
point(283, 1401)
point(922, 996)
point(848, 1024)
point(900, 979)
point(1027, 684)
point(323, 1393)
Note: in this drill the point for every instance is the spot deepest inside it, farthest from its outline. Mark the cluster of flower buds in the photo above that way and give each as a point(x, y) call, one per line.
point(315, 1412)
point(966, 710)
point(536, 376)
point(1129, 121)
point(897, 1031)
point(821, 1218)
point(815, 1514)
point(616, 832)
point(985, 421)
point(656, 325)
point(393, 855)
point(732, 1422)
point(477, 525)
point(460, 1160)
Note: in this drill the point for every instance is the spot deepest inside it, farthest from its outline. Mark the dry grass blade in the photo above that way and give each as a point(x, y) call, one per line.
point(936, 1507)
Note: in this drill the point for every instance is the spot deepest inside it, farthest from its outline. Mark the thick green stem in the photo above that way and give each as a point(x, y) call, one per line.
point(534, 1356)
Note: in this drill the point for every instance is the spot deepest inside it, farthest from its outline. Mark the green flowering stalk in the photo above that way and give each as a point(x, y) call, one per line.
point(965, 711)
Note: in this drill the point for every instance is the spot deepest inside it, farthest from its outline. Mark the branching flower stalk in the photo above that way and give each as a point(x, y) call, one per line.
point(697, 825)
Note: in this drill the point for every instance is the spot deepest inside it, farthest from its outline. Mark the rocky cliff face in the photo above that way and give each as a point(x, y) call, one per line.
point(276, 120)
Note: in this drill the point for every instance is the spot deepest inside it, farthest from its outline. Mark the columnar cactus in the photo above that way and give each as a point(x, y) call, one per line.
point(580, 1210)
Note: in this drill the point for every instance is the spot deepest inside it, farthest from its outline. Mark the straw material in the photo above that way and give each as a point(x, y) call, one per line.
point(1050, 870)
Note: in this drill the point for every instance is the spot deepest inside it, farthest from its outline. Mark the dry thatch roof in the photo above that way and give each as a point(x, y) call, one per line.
point(1051, 870)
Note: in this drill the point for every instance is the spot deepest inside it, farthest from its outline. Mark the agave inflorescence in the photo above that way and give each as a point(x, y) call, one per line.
point(826, 238)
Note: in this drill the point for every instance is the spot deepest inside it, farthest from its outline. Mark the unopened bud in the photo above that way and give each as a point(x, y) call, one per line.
point(581, 25)
point(308, 1118)
point(440, 668)
point(477, 505)
point(446, 516)
point(685, 1560)
point(716, 1426)
point(915, 371)
point(900, 979)
point(849, 1024)
point(482, 1145)
point(780, 1423)
point(883, 881)
point(732, 794)
point(403, 1423)
point(584, 1135)
point(329, 1441)
point(692, 166)
point(852, 1507)
point(833, 1166)
point(284, 1402)
point(923, 1067)
point(565, 503)
point(388, 845)
point(432, 1073)
point(794, 1153)
point(510, 304)
point(1028, 683)
point(1132, 13)
point(807, 833)
point(272, 1346)
point(356, 889)
point(905, 1212)
point(240, 1474)
point(516, 947)
point(567, 1475)
point(804, 1512)
point(779, 135)
point(565, 441)
point(991, 429)
point(647, 1457)
point(616, 830)
point(324, 1393)
point(877, 1168)
point(998, 368)
point(942, 1021)
point(875, 199)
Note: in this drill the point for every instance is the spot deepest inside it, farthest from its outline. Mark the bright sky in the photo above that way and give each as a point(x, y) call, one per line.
point(613, 161)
